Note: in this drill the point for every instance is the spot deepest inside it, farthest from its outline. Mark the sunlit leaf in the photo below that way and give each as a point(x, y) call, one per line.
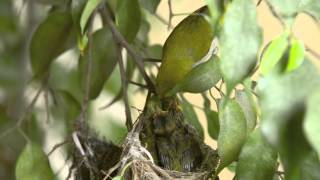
point(233, 132)
point(273, 53)
point(212, 118)
point(89, 8)
point(117, 178)
point(296, 55)
point(52, 38)
point(128, 17)
point(240, 40)
point(33, 164)
point(200, 78)
point(104, 59)
point(245, 100)
point(257, 159)
point(312, 121)
point(191, 117)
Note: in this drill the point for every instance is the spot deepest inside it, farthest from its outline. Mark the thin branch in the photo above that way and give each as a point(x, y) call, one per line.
point(136, 57)
point(152, 60)
point(46, 102)
point(259, 2)
point(56, 146)
point(170, 14)
point(274, 13)
point(161, 19)
point(138, 84)
point(313, 52)
point(124, 89)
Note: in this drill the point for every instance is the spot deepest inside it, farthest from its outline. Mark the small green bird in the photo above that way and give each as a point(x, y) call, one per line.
point(186, 46)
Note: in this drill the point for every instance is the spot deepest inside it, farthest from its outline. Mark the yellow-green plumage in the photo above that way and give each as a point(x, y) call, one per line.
point(188, 43)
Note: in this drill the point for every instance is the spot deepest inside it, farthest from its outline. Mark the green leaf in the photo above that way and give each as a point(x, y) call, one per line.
point(200, 78)
point(52, 37)
point(51, 2)
point(246, 101)
point(33, 164)
point(296, 55)
point(70, 76)
point(76, 12)
point(240, 40)
point(117, 178)
point(282, 100)
point(212, 118)
point(310, 167)
point(191, 116)
point(104, 59)
point(273, 53)
point(87, 12)
point(128, 17)
point(257, 159)
point(233, 132)
point(312, 7)
point(150, 5)
point(312, 122)
point(216, 8)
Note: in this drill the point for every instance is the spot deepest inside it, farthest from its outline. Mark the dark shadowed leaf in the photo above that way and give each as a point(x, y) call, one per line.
point(52, 37)
point(33, 164)
point(273, 53)
point(296, 55)
point(312, 121)
point(76, 11)
point(240, 40)
point(233, 132)
point(257, 159)
point(212, 118)
point(104, 59)
point(200, 78)
point(89, 8)
point(128, 17)
point(246, 101)
point(150, 5)
point(191, 116)
point(311, 166)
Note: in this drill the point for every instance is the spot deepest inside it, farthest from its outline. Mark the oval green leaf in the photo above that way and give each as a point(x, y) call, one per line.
point(245, 100)
point(312, 122)
point(87, 12)
point(128, 17)
point(233, 132)
point(104, 59)
point(212, 118)
point(296, 55)
point(52, 37)
point(201, 78)
point(240, 39)
point(273, 54)
point(257, 159)
point(33, 164)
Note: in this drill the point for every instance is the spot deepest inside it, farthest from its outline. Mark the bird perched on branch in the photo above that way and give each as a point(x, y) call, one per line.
point(188, 45)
